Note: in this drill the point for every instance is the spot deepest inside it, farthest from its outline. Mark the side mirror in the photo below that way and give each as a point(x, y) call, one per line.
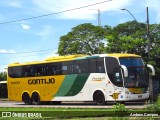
point(152, 69)
point(125, 70)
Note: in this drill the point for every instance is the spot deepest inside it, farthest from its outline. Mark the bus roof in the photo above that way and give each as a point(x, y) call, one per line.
point(74, 57)
point(120, 55)
point(67, 57)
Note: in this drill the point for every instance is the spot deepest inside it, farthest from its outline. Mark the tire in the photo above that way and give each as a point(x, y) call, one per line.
point(35, 99)
point(120, 102)
point(98, 97)
point(56, 102)
point(26, 98)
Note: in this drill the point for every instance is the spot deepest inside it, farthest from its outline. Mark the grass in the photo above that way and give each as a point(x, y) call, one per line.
point(71, 113)
point(119, 111)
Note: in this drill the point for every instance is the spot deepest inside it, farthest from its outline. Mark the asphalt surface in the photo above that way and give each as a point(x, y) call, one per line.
point(131, 105)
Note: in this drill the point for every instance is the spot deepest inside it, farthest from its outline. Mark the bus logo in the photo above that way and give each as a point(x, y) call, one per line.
point(115, 95)
point(41, 81)
point(6, 114)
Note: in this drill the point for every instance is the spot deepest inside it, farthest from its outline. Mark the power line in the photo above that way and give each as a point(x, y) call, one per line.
point(30, 51)
point(24, 19)
point(26, 56)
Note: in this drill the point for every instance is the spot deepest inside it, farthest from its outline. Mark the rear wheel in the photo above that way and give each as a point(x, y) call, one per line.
point(35, 99)
point(26, 98)
point(98, 97)
point(56, 102)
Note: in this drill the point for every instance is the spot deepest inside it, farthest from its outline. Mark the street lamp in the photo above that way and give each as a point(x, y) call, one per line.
point(129, 13)
point(148, 50)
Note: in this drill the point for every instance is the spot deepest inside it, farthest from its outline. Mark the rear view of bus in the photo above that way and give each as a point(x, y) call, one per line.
point(131, 82)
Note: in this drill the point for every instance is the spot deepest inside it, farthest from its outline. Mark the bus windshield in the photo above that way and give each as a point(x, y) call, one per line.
point(131, 62)
point(136, 73)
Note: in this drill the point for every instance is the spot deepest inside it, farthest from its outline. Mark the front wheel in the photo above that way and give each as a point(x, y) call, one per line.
point(98, 97)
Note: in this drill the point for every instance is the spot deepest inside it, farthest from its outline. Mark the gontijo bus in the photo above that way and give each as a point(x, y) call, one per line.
point(99, 78)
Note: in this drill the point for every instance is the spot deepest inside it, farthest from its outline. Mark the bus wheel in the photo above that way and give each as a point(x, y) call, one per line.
point(56, 102)
point(26, 98)
point(35, 99)
point(98, 97)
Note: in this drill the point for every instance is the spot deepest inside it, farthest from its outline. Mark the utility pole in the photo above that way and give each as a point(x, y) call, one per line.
point(148, 56)
point(99, 16)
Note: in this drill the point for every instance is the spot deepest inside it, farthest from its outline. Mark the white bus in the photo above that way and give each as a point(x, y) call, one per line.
point(3, 89)
point(99, 78)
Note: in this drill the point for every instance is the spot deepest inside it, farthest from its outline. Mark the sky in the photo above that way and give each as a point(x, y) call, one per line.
point(37, 39)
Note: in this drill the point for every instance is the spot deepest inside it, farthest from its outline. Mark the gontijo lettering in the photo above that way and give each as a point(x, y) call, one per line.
point(41, 81)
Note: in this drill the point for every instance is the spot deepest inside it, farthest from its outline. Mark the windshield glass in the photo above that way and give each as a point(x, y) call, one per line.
point(129, 62)
point(136, 73)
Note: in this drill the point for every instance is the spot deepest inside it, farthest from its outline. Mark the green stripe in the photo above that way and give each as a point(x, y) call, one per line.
point(78, 84)
point(92, 57)
point(66, 85)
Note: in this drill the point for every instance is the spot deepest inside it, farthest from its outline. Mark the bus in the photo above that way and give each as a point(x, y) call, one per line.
point(3, 89)
point(98, 78)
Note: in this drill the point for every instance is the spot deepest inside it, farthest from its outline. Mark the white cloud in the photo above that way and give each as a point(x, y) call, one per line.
point(25, 27)
point(7, 51)
point(15, 3)
point(51, 6)
point(11, 3)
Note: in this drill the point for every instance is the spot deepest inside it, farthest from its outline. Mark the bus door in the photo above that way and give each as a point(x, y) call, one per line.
point(114, 73)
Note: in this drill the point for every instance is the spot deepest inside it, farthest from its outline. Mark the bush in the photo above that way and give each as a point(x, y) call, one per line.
point(119, 108)
point(154, 106)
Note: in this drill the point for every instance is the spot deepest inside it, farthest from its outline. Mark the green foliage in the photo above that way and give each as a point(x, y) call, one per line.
point(119, 108)
point(151, 107)
point(83, 39)
point(129, 37)
point(3, 76)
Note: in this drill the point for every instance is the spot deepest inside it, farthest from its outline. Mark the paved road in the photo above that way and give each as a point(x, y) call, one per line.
point(131, 105)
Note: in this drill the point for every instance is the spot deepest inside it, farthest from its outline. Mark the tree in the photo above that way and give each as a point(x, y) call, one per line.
point(155, 48)
point(83, 39)
point(129, 37)
point(3, 76)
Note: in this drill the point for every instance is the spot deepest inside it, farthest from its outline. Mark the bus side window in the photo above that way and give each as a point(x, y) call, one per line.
point(67, 67)
point(80, 66)
point(100, 65)
point(11, 72)
point(92, 65)
point(32, 70)
point(54, 69)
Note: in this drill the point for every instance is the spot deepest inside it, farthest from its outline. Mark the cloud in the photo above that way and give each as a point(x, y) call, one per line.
point(52, 6)
point(11, 3)
point(7, 51)
point(25, 27)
